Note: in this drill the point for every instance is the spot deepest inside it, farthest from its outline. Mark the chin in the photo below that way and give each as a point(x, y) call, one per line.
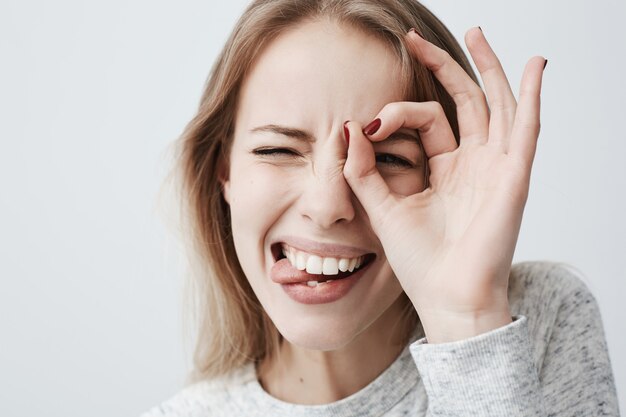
point(318, 332)
point(332, 326)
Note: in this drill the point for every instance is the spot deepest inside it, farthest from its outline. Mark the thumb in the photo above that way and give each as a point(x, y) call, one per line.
point(362, 175)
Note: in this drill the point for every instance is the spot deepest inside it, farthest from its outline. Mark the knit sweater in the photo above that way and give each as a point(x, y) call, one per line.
point(552, 360)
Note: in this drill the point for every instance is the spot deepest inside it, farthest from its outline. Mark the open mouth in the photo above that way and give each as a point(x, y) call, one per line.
point(336, 274)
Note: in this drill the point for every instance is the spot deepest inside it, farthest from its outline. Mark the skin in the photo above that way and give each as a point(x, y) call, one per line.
point(449, 247)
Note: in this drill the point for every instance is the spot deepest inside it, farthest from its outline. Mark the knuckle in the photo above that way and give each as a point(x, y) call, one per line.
point(499, 105)
point(473, 94)
point(348, 170)
point(391, 109)
point(532, 125)
point(435, 107)
point(476, 92)
point(443, 58)
point(394, 113)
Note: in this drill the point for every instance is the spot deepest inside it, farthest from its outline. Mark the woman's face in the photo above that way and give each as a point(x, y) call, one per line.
point(285, 183)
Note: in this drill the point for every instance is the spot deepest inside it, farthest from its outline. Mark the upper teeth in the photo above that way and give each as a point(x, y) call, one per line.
point(315, 264)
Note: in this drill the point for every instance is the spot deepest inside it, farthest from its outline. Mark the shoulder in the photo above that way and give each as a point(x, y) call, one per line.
point(544, 284)
point(205, 398)
point(556, 299)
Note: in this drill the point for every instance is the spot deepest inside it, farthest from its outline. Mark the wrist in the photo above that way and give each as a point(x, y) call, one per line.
point(446, 328)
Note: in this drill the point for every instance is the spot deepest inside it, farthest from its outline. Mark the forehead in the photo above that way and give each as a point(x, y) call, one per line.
point(320, 70)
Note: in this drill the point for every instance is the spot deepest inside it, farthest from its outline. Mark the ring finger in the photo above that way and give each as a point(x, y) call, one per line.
point(501, 100)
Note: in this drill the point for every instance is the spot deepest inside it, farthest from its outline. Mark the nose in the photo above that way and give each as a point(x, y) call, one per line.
point(327, 199)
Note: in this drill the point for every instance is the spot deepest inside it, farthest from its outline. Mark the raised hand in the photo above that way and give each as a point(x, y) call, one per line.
point(451, 246)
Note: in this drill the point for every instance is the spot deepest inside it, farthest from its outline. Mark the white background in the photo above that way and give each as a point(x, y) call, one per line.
point(92, 94)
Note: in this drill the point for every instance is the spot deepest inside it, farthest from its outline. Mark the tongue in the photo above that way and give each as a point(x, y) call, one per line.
point(284, 273)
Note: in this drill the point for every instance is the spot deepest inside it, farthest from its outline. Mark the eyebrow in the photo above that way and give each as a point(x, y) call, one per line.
point(285, 131)
point(308, 137)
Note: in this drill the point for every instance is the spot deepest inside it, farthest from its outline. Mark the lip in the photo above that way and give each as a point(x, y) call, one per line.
point(293, 281)
point(323, 293)
point(321, 249)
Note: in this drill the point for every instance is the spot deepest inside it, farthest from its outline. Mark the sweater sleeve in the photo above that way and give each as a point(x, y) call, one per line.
point(494, 374)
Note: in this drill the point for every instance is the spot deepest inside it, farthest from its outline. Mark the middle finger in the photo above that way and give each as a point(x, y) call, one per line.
point(471, 105)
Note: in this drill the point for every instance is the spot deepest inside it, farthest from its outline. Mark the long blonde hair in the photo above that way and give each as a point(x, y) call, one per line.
point(230, 326)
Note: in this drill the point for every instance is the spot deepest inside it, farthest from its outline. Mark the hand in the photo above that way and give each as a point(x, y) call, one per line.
point(451, 246)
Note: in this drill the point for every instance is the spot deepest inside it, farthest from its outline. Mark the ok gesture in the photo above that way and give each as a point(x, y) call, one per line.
point(451, 246)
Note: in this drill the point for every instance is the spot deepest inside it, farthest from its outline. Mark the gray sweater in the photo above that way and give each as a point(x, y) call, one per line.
point(552, 360)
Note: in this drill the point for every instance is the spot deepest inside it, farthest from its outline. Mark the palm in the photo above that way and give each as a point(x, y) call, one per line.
point(473, 206)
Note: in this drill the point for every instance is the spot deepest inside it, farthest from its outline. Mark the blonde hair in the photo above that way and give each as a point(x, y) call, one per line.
point(231, 327)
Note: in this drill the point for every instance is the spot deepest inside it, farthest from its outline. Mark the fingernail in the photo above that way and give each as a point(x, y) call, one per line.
point(372, 128)
point(346, 132)
point(544, 64)
point(415, 31)
point(481, 29)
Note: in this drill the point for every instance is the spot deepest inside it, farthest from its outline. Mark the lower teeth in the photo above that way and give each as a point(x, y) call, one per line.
point(316, 283)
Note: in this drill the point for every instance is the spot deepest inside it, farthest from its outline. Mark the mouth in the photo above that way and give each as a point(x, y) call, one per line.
point(316, 267)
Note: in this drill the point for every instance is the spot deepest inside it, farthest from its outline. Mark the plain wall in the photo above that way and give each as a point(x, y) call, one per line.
point(93, 93)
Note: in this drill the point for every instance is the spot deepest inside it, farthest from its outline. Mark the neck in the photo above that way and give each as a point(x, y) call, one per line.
point(313, 377)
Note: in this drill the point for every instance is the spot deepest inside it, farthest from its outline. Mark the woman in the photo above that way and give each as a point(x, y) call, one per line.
point(355, 206)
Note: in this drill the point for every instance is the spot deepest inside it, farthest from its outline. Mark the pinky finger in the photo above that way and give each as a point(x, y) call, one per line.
point(527, 117)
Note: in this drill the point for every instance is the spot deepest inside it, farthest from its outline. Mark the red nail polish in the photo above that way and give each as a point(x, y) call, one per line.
point(346, 132)
point(372, 128)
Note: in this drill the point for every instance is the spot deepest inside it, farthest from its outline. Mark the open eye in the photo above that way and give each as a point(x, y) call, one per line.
point(392, 160)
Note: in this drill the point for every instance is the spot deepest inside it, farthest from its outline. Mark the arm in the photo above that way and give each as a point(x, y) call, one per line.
point(491, 374)
point(494, 374)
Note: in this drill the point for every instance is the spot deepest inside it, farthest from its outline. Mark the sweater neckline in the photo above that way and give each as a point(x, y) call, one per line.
point(374, 399)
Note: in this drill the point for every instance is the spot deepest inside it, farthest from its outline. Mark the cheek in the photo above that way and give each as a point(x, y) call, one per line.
point(254, 192)
point(259, 195)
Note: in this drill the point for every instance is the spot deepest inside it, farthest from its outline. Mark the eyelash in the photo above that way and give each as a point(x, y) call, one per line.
point(273, 151)
point(395, 161)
